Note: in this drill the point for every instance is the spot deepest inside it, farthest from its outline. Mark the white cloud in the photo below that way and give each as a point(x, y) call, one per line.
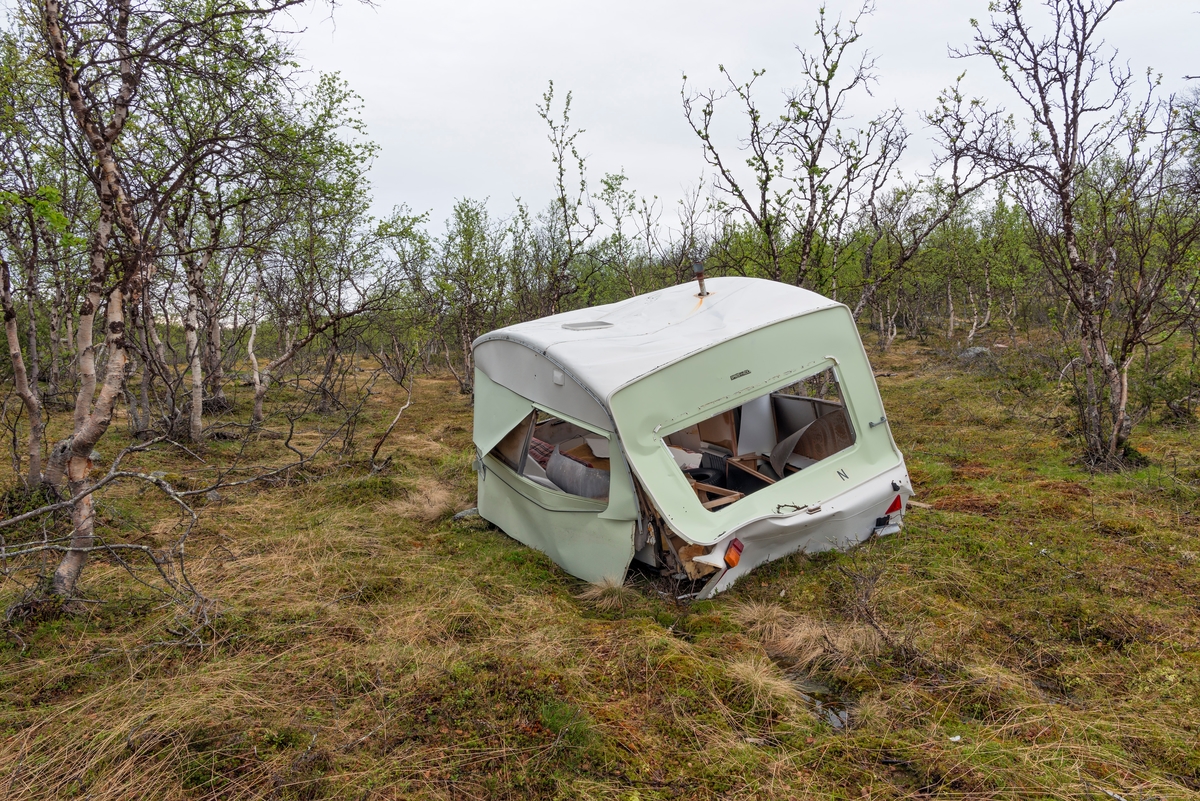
point(450, 88)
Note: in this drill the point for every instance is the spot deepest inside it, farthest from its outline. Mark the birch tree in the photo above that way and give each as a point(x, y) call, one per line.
point(1100, 174)
point(112, 59)
point(807, 165)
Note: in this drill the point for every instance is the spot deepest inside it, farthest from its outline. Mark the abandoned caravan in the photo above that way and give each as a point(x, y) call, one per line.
point(703, 433)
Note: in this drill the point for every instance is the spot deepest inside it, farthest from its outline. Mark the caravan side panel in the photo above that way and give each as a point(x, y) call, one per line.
point(591, 539)
point(569, 530)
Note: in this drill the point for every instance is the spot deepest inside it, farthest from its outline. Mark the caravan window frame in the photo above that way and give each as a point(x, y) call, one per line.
point(538, 491)
point(710, 411)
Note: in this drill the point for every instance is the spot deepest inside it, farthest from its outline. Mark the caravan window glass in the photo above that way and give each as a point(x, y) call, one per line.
point(768, 439)
point(558, 455)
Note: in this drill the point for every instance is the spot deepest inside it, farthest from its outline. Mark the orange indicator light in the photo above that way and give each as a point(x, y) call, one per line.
point(733, 554)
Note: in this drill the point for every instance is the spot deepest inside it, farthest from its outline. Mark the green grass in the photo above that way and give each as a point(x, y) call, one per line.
point(1034, 635)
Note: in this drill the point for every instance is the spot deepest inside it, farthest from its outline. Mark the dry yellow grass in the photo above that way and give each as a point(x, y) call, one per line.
point(428, 500)
point(363, 645)
point(804, 642)
point(609, 595)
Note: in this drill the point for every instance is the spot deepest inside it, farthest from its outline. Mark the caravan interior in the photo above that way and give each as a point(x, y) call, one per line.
point(763, 441)
point(725, 458)
point(557, 455)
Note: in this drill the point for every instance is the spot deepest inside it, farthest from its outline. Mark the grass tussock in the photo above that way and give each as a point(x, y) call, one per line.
point(426, 500)
point(609, 595)
point(805, 643)
point(1032, 635)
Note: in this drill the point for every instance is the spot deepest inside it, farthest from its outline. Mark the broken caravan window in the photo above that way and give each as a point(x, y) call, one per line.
point(765, 440)
point(558, 455)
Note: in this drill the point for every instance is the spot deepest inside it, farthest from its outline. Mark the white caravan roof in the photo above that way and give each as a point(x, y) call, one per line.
point(633, 338)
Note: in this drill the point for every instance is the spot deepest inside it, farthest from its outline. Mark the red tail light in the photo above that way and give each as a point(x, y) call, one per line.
point(896, 506)
point(733, 554)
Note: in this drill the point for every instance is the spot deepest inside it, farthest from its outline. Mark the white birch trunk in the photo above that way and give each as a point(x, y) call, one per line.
point(192, 341)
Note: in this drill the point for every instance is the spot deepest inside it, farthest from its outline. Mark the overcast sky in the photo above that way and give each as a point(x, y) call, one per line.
point(450, 88)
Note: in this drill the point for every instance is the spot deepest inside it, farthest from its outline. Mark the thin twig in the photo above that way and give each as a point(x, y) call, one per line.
point(395, 420)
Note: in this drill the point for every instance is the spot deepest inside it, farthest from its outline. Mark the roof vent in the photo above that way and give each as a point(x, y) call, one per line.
point(698, 269)
point(586, 325)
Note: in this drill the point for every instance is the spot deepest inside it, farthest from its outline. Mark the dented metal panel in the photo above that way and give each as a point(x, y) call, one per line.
point(838, 523)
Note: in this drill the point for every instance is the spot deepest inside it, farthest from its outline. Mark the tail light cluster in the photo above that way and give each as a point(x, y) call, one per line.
point(885, 521)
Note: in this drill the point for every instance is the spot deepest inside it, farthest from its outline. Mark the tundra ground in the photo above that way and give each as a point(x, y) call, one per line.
point(1034, 634)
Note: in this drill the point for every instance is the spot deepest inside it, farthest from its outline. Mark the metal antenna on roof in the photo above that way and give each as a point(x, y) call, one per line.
point(698, 269)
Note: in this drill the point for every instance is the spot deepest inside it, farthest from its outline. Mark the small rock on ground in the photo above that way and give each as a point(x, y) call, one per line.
point(971, 354)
